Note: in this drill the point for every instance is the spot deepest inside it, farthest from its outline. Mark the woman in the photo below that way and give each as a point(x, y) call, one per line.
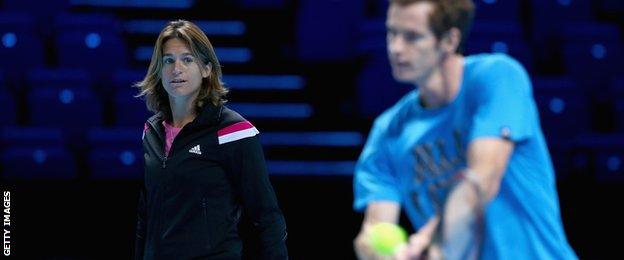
point(203, 162)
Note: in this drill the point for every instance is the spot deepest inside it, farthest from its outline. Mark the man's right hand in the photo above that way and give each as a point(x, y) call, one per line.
point(363, 248)
point(380, 211)
point(421, 241)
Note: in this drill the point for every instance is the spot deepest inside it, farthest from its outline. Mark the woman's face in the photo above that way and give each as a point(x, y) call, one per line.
point(182, 73)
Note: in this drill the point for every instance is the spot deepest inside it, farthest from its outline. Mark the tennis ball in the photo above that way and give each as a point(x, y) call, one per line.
point(386, 237)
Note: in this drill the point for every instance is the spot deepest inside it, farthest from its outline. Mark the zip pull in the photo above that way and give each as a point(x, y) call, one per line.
point(164, 163)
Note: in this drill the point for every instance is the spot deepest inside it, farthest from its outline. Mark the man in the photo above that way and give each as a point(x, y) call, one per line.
point(463, 154)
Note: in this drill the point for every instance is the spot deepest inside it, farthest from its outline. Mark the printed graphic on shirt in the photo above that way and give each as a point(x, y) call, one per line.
point(196, 150)
point(437, 165)
point(236, 132)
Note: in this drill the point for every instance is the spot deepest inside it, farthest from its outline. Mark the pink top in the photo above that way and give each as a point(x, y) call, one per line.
point(170, 134)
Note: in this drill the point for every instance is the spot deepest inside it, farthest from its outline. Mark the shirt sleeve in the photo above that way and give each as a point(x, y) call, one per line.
point(246, 160)
point(502, 101)
point(374, 179)
point(141, 224)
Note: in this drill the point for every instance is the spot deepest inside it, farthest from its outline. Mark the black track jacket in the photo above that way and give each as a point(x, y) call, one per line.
point(191, 200)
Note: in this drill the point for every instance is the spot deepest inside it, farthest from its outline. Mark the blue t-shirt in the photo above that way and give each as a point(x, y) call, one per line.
point(413, 154)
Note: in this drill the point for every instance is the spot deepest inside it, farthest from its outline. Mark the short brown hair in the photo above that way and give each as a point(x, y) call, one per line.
point(211, 89)
point(446, 15)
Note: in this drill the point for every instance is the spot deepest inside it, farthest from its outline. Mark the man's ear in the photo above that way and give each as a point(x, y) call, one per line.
point(206, 70)
point(450, 40)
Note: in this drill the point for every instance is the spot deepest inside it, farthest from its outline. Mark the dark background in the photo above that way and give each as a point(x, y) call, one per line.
point(70, 131)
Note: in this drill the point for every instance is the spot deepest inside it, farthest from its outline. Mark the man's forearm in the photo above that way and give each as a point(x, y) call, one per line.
point(462, 218)
point(463, 215)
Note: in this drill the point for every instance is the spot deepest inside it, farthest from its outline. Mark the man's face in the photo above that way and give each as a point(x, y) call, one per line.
point(412, 47)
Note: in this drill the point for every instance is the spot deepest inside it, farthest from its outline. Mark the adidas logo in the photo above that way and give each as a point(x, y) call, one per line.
point(195, 150)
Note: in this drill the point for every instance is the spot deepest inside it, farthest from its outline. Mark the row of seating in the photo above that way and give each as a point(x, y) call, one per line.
point(57, 97)
point(95, 41)
point(593, 48)
point(115, 153)
point(346, 28)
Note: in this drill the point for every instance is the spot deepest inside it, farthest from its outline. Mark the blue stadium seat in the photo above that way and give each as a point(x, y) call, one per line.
point(376, 88)
point(500, 37)
point(581, 32)
point(31, 136)
point(135, 4)
point(617, 94)
point(331, 38)
point(43, 10)
point(264, 82)
point(112, 137)
point(120, 163)
point(517, 49)
point(503, 30)
point(273, 110)
point(563, 107)
point(20, 44)
point(125, 78)
point(593, 62)
point(38, 163)
point(57, 97)
point(59, 78)
point(500, 10)
point(371, 36)
point(611, 6)
point(604, 154)
point(129, 111)
point(548, 17)
point(71, 107)
point(497, 10)
point(8, 107)
point(87, 22)
point(320, 168)
point(115, 153)
point(591, 51)
point(100, 52)
point(91, 42)
point(257, 4)
point(617, 86)
point(546, 11)
point(609, 164)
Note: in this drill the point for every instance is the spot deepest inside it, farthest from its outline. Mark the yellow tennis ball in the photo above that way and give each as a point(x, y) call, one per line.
point(386, 237)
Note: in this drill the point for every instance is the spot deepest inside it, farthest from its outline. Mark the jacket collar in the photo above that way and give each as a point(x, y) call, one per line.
point(209, 115)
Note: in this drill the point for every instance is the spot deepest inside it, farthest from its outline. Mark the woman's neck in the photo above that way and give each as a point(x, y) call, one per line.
point(182, 111)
